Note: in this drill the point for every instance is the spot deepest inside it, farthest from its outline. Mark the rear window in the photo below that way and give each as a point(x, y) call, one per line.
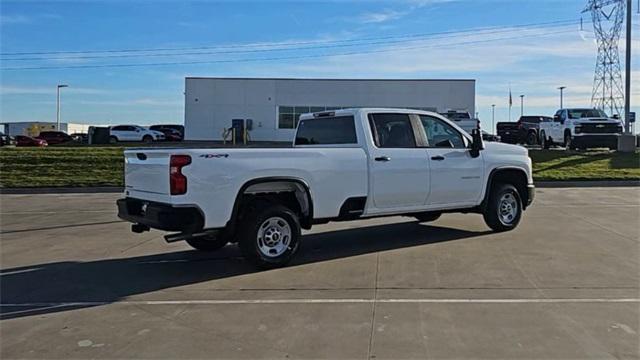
point(327, 131)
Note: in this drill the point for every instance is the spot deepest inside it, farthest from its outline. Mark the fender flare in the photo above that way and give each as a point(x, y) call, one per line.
point(305, 221)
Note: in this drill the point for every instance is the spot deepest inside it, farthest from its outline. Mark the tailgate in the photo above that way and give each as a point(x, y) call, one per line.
point(147, 171)
point(507, 126)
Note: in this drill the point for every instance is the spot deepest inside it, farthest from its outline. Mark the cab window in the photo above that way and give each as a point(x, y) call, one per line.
point(440, 134)
point(392, 130)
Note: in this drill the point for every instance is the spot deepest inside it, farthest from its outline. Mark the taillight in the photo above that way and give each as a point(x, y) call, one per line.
point(177, 181)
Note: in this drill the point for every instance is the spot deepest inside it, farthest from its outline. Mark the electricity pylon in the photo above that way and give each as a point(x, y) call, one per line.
point(607, 16)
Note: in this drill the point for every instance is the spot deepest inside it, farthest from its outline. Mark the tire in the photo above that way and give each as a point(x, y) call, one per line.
point(532, 139)
point(544, 142)
point(504, 209)
point(113, 139)
point(147, 139)
point(212, 243)
point(428, 216)
point(568, 142)
point(269, 235)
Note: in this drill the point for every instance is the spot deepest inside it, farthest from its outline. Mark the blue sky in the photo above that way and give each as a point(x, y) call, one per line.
point(533, 59)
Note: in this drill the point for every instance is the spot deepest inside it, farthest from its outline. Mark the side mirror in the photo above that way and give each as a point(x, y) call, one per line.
point(477, 144)
point(616, 116)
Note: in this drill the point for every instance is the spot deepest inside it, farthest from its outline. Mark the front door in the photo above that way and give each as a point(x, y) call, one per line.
point(399, 170)
point(455, 176)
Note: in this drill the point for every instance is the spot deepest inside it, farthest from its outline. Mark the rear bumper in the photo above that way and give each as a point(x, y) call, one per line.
point(513, 137)
point(161, 216)
point(595, 140)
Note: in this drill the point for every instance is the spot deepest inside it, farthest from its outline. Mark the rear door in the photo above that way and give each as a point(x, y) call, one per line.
point(399, 170)
point(455, 176)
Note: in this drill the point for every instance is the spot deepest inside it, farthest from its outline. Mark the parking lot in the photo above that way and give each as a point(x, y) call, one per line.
point(76, 283)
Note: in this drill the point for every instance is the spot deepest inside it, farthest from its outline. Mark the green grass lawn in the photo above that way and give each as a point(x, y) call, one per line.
point(61, 166)
point(552, 165)
point(103, 166)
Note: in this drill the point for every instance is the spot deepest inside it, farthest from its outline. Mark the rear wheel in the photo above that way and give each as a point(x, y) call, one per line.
point(208, 243)
point(504, 209)
point(532, 138)
point(427, 217)
point(270, 235)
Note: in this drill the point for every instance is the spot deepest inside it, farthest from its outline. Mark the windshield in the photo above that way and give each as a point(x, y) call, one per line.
point(586, 113)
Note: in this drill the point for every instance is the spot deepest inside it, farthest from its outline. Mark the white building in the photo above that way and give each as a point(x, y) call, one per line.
point(274, 105)
point(33, 128)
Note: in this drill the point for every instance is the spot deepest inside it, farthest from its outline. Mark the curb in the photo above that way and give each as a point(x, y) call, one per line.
point(118, 189)
point(586, 184)
point(63, 190)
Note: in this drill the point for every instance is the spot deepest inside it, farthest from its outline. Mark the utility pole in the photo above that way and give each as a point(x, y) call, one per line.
point(58, 105)
point(561, 88)
point(521, 105)
point(493, 118)
point(627, 85)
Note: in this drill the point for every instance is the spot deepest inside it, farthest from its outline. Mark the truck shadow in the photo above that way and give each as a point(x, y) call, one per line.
point(54, 287)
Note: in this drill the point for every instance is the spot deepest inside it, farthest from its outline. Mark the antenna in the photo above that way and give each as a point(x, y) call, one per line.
point(607, 17)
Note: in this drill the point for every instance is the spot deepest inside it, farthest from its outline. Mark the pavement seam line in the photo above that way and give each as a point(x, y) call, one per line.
point(328, 301)
point(373, 311)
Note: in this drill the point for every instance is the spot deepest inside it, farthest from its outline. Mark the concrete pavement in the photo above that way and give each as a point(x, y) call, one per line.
point(76, 283)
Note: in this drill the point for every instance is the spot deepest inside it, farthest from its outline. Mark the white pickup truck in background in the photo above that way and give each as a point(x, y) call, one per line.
point(580, 129)
point(344, 165)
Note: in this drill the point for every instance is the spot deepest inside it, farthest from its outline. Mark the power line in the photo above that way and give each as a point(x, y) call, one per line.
point(384, 42)
point(297, 57)
point(564, 22)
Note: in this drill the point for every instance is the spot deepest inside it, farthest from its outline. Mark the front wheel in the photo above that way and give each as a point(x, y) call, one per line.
point(113, 139)
point(504, 209)
point(147, 139)
point(269, 235)
point(568, 142)
point(544, 142)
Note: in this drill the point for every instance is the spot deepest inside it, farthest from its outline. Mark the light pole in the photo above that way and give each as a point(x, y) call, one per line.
point(561, 88)
point(521, 105)
point(627, 89)
point(493, 118)
point(58, 105)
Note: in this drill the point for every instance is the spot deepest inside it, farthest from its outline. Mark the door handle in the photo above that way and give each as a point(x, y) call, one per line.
point(383, 158)
point(437, 158)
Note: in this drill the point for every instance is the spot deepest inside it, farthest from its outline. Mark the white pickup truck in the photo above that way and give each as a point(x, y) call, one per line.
point(344, 165)
point(580, 129)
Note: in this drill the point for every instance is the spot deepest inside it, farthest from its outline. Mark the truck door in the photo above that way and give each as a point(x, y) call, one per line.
point(455, 176)
point(399, 170)
point(557, 128)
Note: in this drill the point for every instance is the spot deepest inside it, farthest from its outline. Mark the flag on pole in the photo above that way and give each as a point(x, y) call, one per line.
point(510, 97)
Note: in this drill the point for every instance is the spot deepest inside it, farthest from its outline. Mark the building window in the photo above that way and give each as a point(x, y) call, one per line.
point(289, 115)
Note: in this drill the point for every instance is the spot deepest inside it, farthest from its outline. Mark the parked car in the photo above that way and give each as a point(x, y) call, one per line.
point(133, 133)
point(344, 165)
point(524, 131)
point(54, 137)
point(6, 139)
point(581, 128)
point(178, 128)
point(22, 140)
point(489, 137)
point(170, 134)
point(463, 119)
point(81, 138)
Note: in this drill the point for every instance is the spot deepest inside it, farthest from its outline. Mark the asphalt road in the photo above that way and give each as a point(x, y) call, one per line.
point(76, 283)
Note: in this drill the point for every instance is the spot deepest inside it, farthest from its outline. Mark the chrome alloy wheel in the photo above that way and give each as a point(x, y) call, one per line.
point(274, 237)
point(508, 208)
